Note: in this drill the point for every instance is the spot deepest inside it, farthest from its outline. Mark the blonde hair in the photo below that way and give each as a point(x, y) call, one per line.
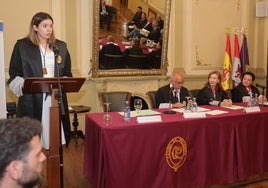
point(219, 76)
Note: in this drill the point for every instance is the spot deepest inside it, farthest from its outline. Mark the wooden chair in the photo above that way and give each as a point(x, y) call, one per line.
point(151, 96)
point(116, 98)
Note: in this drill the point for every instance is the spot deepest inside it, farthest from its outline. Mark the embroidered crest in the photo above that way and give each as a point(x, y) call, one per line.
point(176, 153)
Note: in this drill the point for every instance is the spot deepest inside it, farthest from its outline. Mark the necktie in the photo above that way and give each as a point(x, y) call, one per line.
point(177, 95)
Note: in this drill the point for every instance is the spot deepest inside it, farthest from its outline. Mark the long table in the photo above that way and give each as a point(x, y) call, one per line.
point(176, 152)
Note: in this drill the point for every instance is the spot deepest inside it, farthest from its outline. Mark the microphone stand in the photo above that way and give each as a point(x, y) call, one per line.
point(61, 110)
point(170, 111)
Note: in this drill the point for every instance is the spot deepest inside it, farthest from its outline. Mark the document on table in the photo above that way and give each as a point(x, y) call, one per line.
point(142, 113)
point(199, 109)
point(216, 112)
point(234, 107)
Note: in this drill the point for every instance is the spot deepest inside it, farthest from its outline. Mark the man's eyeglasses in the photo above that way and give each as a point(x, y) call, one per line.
point(182, 82)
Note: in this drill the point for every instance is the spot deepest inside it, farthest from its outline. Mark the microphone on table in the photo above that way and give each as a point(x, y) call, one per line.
point(261, 86)
point(170, 111)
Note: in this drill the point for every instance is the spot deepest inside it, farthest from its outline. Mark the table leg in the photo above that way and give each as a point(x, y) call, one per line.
point(76, 133)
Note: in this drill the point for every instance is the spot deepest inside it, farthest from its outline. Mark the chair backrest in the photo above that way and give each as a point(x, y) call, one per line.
point(194, 92)
point(113, 61)
point(151, 96)
point(157, 62)
point(136, 61)
point(116, 98)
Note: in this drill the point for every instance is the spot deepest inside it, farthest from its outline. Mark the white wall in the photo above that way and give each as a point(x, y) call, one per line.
point(2, 75)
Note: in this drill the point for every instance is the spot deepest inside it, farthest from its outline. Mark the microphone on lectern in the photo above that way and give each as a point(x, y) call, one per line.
point(54, 48)
point(56, 51)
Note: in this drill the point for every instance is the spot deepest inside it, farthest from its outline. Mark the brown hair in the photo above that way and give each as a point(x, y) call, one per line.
point(136, 42)
point(36, 20)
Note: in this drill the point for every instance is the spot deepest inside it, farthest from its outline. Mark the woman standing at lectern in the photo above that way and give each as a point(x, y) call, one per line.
point(33, 56)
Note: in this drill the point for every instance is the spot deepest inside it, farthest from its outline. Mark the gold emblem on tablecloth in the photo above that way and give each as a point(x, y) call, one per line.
point(176, 153)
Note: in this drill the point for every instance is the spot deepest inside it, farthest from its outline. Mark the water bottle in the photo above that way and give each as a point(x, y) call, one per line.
point(127, 112)
point(250, 101)
point(195, 106)
point(124, 29)
point(255, 100)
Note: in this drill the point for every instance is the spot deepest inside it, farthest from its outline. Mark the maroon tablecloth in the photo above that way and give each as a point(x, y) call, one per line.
point(176, 152)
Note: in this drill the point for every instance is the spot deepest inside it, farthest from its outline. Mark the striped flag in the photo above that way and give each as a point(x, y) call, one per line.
point(236, 72)
point(244, 56)
point(226, 80)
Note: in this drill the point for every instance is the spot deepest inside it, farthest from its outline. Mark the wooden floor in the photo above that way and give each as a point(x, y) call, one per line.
point(123, 15)
point(73, 158)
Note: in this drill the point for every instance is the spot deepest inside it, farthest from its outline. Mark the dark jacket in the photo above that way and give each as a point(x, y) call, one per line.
point(164, 94)
point(109, 49)
point(240, 91)
point(133, 51)
point(154, 58)
point(154, 35)
point(26, 62)
point(136, 17)
point(205, 95)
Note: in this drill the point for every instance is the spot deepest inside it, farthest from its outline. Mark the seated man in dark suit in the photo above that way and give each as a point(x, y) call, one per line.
point(145, 24)
point(173, 91)
point(154, 57)
point(135, 19)
point(135, 50)
point(160, 22)
point(109, 48)
point(155, 34)
point(105, 15)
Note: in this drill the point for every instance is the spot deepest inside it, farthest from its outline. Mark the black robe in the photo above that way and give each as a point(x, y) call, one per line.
point(26, 62)
point(240, 91)
point(205, 95)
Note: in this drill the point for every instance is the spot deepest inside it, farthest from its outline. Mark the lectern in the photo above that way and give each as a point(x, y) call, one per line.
point(50, 85)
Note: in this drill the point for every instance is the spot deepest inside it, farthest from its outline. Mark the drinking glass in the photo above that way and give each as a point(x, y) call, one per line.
point(188, 107)
point(107, 117)
point(138, 105)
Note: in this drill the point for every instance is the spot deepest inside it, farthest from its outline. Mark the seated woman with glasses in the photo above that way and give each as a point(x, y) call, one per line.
point(174, 92)
point(212, 93)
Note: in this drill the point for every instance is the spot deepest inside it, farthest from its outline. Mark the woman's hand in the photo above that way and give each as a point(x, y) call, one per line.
point(226, 102)
point(262, 99)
